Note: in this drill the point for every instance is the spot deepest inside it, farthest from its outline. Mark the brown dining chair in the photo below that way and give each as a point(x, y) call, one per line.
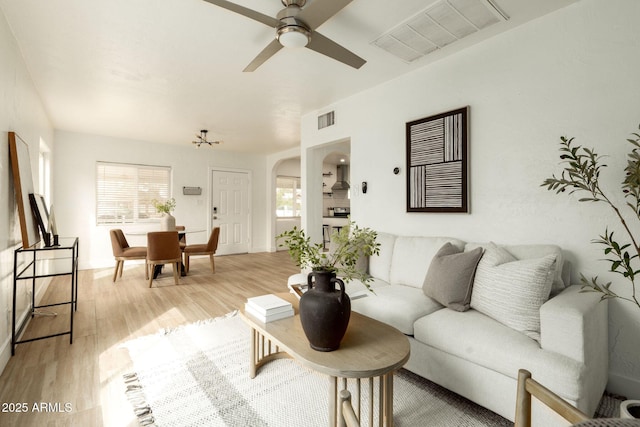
point(123, 252)
point(163, 247)
point(208, 248)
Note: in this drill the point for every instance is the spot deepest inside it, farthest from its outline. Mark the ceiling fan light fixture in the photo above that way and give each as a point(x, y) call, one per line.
point(293, 34)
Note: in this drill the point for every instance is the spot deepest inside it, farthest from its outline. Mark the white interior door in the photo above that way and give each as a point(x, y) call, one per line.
point(230, 210)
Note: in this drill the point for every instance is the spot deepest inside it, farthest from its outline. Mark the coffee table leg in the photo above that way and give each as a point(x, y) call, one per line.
point(381, 399)
point(253, 361)
point(386, 401)
point(333, 396)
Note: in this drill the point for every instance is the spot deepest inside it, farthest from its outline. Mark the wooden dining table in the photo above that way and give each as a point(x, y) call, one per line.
point(181, 234)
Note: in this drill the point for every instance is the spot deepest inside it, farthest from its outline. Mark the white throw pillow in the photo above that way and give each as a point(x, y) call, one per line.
point(512, 291)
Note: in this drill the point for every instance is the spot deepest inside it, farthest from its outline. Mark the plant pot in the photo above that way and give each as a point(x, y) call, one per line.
point(325, 311)
point(167, 222)
point(630, 409)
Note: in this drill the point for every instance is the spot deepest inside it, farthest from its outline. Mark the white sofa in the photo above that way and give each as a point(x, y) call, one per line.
point(478, 357)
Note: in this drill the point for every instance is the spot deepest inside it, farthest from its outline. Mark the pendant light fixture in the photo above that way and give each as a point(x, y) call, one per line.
point(202, 139)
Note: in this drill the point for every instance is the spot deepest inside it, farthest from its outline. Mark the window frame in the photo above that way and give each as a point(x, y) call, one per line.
point(296, 191)
point(143, 211)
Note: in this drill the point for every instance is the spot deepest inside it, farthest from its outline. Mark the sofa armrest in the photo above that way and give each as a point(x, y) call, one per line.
point(575, 325)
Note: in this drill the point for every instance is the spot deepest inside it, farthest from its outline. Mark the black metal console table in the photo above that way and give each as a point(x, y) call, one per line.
point(39, 261)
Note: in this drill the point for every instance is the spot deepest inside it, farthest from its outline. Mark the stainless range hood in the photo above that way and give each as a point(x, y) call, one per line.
point(342, 175)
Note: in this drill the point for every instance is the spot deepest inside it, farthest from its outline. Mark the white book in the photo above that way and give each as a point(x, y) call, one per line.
point(269, 304)
point(270, 318)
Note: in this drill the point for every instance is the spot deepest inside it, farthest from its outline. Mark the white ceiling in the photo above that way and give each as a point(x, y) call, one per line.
point(161, 70)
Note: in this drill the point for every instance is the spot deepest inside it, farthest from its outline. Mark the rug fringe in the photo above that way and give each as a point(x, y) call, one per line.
point(136, 397)
point(134, 390)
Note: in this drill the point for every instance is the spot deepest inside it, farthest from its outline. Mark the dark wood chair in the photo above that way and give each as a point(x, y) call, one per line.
point(163, 247)
point(208, 248)
point(528, 387)
point(123, 252)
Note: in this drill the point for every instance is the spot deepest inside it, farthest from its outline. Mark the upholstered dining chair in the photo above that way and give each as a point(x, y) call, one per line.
point(208, 248)
point(123, 252)
point(163, 247)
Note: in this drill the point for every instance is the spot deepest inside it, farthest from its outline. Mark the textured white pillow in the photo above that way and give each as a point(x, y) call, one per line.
point(512, 291)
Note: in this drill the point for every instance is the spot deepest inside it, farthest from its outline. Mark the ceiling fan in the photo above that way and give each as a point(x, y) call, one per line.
point(202, 139)
point(295, 27)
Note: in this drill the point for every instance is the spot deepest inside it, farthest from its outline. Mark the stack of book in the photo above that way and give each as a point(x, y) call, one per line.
point(268, 308)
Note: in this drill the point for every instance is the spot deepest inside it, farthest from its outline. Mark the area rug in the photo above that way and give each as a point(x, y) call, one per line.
point(198, 375)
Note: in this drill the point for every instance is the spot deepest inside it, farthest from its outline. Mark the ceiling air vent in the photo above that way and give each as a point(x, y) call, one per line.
point(440, 24)
point(326, 120)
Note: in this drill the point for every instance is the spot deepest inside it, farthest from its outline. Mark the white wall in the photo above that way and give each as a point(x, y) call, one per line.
point(21, 111)
point(575, 73)
point(74, 186)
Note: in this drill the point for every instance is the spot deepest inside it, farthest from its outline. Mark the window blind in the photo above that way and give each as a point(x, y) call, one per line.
point(125, 192)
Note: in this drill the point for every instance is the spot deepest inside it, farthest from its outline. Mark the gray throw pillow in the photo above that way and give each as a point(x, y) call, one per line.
point(450, 277)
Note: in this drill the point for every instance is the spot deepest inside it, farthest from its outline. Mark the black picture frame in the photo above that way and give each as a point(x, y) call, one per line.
point(438, 162)
point(53, 228)
point(41, 214)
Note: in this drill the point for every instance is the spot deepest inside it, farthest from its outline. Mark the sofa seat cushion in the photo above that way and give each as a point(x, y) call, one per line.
point(398, 306)
point(479, 339)
point(412, 257)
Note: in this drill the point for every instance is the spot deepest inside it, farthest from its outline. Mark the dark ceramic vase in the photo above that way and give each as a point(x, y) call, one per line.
point(325, 311)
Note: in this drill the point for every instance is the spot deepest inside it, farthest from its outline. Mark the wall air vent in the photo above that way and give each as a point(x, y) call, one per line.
point(437, 26)
point(326, 120)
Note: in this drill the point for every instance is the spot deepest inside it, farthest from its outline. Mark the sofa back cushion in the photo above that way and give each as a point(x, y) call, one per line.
point(533, 252)
point(380, 265)
point(512, 291)
point(412, 257)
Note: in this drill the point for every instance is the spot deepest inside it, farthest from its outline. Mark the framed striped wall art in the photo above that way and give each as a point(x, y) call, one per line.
point(437, 163)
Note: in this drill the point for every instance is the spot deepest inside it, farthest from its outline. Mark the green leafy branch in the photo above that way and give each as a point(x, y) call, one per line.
point(164, 207)
point(581, 173)
point(348, 245)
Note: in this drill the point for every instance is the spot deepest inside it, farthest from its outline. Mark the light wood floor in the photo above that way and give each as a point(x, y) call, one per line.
point(87, 376)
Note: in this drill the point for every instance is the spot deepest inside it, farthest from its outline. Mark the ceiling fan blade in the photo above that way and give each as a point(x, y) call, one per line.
point(266, 53)
point(317, 12)
point(328, 47)
point(256, 16)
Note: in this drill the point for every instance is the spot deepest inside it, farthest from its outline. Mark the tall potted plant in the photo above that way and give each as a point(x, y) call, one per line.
point(324, 309)
point(167, 222)
point(581, 173)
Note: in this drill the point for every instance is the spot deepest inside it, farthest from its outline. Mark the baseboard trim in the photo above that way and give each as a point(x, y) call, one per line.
point(624, 386)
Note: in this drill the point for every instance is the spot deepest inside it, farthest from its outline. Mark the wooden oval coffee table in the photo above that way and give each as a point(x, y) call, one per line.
point(370, 349)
